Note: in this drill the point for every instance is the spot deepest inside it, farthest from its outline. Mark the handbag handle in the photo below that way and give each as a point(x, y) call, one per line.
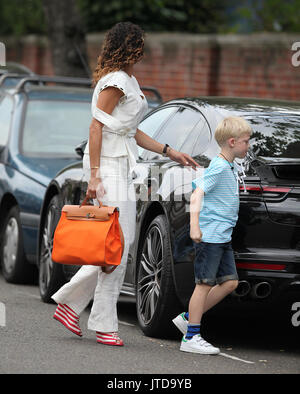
point(85, 202)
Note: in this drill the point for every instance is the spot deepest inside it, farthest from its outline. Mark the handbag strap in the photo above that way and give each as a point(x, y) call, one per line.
point(85, 202)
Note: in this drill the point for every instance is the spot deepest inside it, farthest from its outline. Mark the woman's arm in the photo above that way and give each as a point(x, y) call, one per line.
point(107, 100)
point(146, 142)
point(95, 144)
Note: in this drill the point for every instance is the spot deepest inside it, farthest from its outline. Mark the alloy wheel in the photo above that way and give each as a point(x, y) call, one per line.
point(149, 274)
point(46, 263)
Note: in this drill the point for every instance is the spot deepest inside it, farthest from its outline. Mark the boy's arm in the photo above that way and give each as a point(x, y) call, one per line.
point(195, 207)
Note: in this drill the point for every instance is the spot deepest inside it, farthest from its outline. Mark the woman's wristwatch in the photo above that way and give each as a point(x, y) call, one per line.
point(164, 152)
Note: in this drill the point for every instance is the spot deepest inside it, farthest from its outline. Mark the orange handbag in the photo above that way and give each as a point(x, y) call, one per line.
point(89, 235)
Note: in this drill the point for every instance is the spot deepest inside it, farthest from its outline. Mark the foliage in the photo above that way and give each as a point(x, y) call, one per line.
point(204, 16)
point(271, 15)
point(19, 17)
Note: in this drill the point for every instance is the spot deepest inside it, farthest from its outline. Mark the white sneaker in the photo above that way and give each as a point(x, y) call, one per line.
point(181, 323)
point(198, 345)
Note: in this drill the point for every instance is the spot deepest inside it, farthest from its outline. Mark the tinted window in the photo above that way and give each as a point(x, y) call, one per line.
point(177, 130)
point(6, 106)
point(197, 140)
point(153, 122)
point(54, 128)
point(276, 136)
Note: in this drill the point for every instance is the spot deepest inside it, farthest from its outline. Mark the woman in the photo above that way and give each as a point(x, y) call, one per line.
point(118, 105)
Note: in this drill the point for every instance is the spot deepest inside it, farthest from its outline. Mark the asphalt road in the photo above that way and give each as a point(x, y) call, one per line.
point(252, 341)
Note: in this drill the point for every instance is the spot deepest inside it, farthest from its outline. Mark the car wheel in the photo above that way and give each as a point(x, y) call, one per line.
point(15, 267)
point(51, 276)
point(157, 302)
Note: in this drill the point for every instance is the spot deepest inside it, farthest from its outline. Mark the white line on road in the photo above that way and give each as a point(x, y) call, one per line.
point(126, 324)
point(236, 358)
point(29, 295)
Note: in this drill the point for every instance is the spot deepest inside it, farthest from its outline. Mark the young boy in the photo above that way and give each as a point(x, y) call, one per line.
point(216, 195)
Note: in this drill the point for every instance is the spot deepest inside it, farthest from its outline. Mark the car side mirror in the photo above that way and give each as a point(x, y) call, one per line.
point(80, 148)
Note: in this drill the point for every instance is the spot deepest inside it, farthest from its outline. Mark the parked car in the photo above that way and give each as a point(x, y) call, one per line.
point(266, 239)
point(39, 126)
point(13, 73)
point(16, 68)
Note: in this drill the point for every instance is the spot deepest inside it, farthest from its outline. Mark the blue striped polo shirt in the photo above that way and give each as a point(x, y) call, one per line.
point(220, 208)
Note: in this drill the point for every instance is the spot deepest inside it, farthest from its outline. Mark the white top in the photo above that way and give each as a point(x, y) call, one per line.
point(120, 127)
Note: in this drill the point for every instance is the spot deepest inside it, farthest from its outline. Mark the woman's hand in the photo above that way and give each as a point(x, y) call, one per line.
point(196, 234)
point(95, 188)
point(182, 158)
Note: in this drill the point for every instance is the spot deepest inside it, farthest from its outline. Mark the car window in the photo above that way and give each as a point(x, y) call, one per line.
point(197, 140)
point(154, 122)
point(177, 131)
point(54, 128)
point(6, 107)
point(276, 136)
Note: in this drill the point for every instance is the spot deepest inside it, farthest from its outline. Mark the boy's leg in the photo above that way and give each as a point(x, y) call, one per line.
point(214, 296)
point(206, 265)
point(192, 342)
point(218, 292)
point(208, 257)
point(196, 309)
point(227, 278)
point(197, 302)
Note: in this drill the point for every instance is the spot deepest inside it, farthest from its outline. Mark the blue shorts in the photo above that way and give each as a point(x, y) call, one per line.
point(214, 263)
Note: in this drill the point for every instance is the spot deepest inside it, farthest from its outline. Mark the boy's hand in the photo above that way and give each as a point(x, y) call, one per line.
point(196, 234)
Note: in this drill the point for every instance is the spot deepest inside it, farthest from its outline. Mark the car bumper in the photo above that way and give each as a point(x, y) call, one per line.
point(256, 284)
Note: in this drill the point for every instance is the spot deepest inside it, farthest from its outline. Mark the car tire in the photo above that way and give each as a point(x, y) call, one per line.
point(15, 267)
point(157, 303)
point(51, 276)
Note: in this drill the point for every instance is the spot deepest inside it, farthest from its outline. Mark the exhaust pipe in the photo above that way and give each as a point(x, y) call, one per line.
point(261, 290)
point(242, 290)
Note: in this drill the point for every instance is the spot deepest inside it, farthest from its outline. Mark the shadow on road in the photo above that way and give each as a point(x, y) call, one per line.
point(253, 324)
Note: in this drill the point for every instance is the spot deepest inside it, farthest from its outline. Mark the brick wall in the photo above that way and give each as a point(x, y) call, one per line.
point(256, 65)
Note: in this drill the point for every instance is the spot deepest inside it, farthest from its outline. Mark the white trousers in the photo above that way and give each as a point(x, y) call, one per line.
point(89, 281)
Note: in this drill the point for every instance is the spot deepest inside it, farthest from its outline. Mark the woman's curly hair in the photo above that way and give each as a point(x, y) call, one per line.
point(123, 45)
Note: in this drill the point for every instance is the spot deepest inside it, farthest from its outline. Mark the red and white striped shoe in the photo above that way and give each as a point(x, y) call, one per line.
point(109, 338)
point(65, 315)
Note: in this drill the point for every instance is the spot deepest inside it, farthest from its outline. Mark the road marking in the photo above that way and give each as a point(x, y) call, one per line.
point(29, 295)
point(2, 314)
point(236, 358)
point(126, 324)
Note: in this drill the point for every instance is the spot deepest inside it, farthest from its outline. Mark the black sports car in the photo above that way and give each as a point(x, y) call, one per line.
point(266, 239)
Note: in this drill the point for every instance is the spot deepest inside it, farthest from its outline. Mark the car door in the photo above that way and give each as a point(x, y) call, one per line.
point(151, 125)
point(6, 110)
point(186, 131)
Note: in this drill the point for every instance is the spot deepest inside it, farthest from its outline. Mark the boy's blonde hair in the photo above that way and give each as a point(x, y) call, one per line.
point(231, 127)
